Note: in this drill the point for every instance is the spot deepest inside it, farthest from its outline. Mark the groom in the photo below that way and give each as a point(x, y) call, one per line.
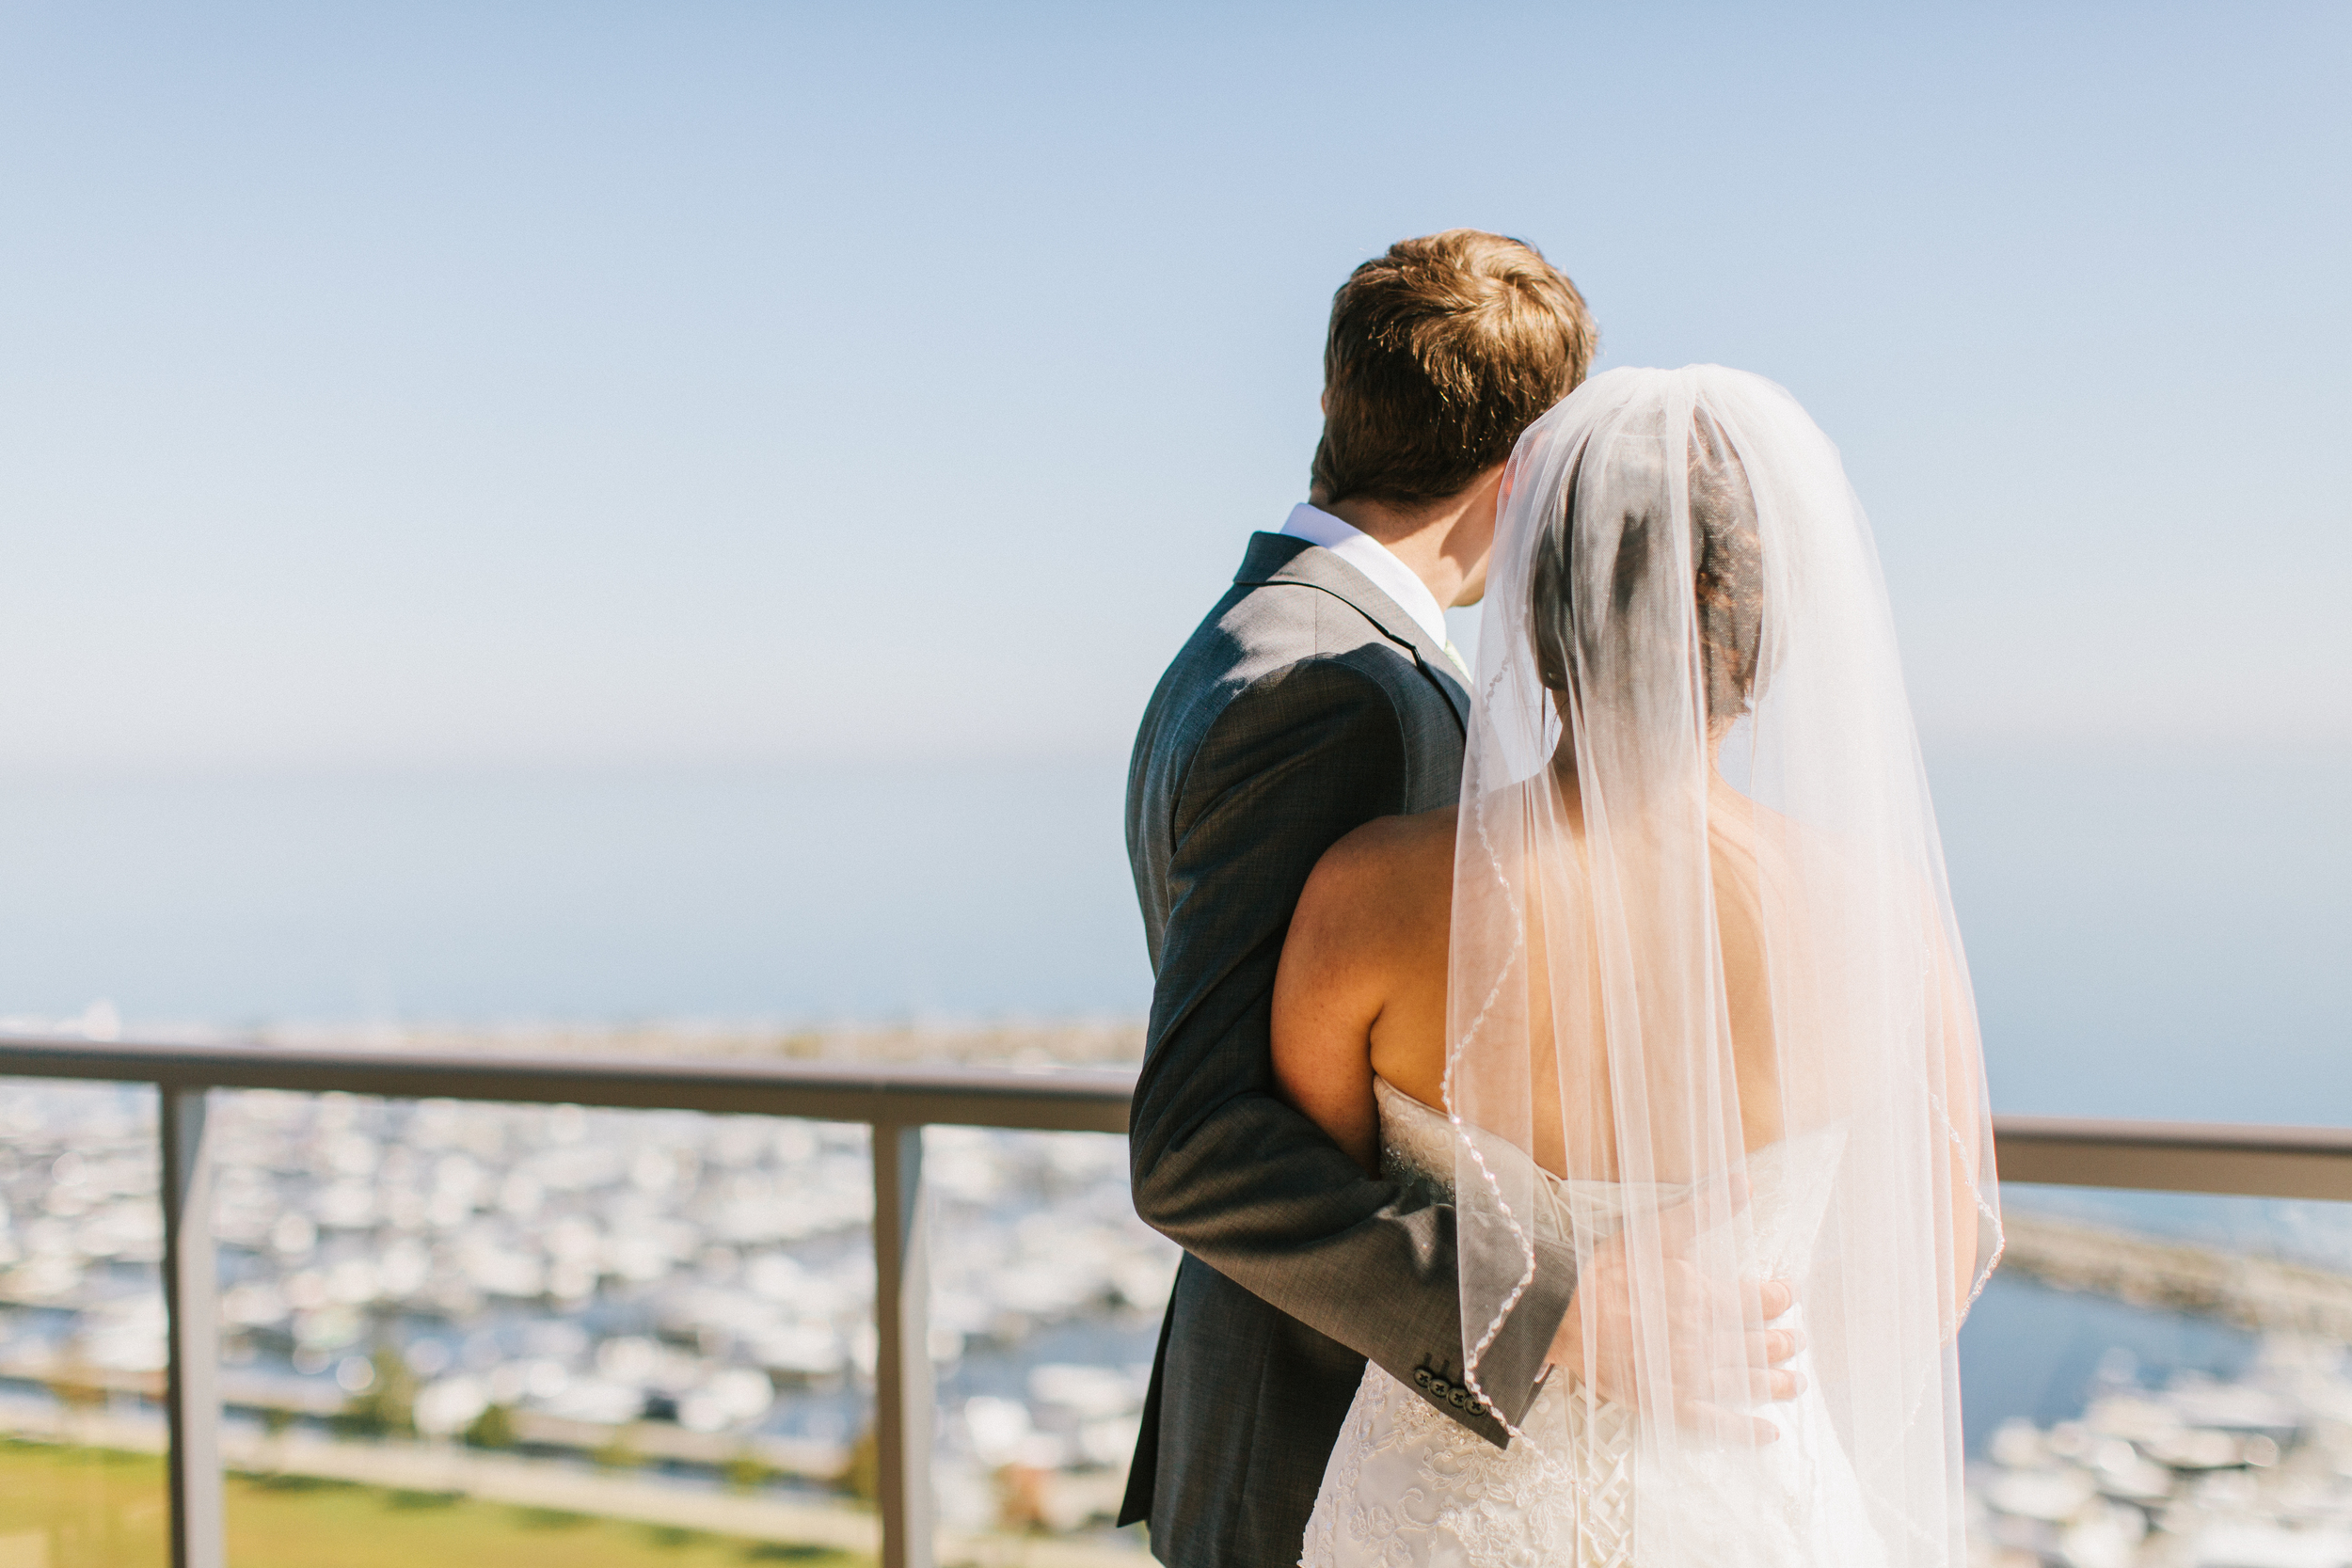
point(1321, 693)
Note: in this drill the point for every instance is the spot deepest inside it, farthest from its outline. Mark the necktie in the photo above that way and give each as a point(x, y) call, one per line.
point(1456, 654)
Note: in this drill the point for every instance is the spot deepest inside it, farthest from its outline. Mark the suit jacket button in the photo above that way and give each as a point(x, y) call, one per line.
point(1420, 1375)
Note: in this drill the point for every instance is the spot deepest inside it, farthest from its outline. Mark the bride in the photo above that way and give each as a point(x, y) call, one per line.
point(1676, 987)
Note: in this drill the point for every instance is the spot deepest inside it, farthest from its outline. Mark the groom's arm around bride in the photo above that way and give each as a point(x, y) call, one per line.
point(1319, 694)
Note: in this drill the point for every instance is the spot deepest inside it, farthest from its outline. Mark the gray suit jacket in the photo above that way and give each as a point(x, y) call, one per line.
point(1305, 705)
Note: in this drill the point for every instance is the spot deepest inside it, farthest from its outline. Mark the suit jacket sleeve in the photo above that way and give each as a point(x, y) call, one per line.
point(1223, 1164)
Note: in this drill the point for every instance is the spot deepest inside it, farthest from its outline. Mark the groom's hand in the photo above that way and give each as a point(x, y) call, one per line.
point(1714, 1334)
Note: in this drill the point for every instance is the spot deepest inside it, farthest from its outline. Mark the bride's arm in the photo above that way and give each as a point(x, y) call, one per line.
point(1329, 992)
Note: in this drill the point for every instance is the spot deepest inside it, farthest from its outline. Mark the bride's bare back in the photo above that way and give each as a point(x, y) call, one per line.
point(1363, 990)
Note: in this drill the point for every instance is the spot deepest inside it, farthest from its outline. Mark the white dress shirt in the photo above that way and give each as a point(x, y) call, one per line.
point(1371, 557)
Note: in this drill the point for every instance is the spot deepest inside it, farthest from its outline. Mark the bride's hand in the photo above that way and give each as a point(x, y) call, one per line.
point(1715, 1335)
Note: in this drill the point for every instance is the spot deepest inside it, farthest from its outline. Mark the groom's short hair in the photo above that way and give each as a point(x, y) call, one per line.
point(1440, 353)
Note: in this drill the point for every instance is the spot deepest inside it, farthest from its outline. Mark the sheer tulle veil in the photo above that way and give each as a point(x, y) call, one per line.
point(1694, 794)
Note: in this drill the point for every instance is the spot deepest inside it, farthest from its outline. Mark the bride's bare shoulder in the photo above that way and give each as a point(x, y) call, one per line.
point(1388, 877)
point(1390, 853)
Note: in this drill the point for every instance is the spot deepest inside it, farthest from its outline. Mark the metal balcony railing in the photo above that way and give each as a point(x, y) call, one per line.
point(896, 1103)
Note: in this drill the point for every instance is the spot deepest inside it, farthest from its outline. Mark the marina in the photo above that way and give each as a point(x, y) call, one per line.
point(2255, 1472)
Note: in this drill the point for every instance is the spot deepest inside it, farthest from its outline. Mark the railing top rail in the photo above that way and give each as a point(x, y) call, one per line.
point(2186, 1136)
point(2178, 1157)
point(1066, 1100)
point(2278, 1162)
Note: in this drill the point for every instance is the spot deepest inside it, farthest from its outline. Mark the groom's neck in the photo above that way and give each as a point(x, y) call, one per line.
point(1444, 541)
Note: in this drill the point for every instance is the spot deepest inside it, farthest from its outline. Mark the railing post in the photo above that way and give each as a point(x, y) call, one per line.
point(191, 1304)
point(902, 1362)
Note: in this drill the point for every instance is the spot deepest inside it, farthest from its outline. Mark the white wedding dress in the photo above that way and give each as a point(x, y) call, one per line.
point(1409, 1488)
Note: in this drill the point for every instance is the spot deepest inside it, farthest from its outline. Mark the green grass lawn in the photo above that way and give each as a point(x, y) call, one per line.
point(99, 1508)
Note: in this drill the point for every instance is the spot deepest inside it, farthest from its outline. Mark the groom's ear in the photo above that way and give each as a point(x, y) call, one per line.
point(1322, 403)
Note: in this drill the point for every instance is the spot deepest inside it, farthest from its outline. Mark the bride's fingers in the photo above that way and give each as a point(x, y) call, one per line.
point(1725, 1426)
point(1746, 1384)
point(1754, 1347)
point(1759, 1301)
point(1774, 1386)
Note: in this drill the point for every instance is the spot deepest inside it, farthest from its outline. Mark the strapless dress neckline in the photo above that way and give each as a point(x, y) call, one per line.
point(1788, 1180)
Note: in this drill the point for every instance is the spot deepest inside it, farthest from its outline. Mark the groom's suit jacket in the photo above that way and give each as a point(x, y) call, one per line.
point(1305, 705)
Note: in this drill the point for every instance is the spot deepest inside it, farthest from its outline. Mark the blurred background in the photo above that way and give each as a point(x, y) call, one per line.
point(651, 528)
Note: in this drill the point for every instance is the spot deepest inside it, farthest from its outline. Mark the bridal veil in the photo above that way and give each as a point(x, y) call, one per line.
point(1704, 966)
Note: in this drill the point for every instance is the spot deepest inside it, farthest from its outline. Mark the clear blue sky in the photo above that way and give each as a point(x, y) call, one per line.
point(425, 385)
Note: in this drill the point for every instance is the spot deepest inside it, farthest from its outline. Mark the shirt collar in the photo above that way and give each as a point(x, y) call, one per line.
point(1371, 557)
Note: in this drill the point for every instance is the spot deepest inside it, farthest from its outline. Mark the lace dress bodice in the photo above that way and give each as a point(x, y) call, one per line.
point(1408, 1487)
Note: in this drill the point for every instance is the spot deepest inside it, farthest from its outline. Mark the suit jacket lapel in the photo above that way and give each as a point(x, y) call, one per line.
point(1276, 558)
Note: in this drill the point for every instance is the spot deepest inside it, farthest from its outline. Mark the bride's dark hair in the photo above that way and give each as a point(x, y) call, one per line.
point(1727, 572)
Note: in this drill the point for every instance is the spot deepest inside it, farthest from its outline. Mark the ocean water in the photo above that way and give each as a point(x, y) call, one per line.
point(944, 891)
point(2157, 934)
point(2152, 934)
